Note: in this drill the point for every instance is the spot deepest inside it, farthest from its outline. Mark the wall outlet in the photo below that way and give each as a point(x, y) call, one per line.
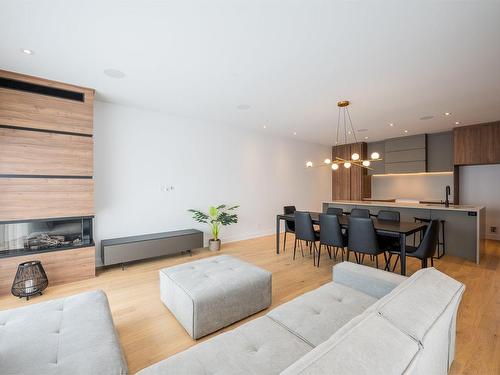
point(493, 229)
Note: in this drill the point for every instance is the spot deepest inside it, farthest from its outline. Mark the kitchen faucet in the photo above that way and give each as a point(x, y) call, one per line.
point(448, 192)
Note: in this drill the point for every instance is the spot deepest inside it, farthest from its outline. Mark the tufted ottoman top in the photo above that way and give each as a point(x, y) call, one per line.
point(213, 275)
point(212, 293)
point(73, 335)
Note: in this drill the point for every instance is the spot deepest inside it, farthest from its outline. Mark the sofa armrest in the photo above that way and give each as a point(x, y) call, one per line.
point(372, 281)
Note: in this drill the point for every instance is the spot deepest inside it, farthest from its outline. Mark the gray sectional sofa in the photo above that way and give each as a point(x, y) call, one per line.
point(73, 335)
point(367, 321)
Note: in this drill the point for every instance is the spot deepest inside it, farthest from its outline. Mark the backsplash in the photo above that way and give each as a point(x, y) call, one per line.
point(419, 186)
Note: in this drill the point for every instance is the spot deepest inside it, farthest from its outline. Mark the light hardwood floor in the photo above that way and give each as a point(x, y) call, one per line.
point(149, 333)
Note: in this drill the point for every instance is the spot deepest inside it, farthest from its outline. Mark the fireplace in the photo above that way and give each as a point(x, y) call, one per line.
point(43, 235)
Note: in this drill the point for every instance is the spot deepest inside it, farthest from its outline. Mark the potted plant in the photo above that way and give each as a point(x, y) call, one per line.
point(216, 217)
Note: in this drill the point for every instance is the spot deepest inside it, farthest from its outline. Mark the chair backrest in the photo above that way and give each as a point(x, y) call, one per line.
point(360, 212)
point(289, 224)
point(388, 215)
point(304, 229)
point(427, 246)
point(362, 236)
point(334, 211)
point(330, 233)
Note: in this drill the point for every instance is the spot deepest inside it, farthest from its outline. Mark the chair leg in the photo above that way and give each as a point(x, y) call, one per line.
point(387, 262)
point(362, 258)
point(342, 254)
point(348, 253)
point(284, 243)
point(319, 252)
point(313, 254)
point(301, 248)
point(294, 248)
point(329, 252)
point(376, 260)
point(432, 262)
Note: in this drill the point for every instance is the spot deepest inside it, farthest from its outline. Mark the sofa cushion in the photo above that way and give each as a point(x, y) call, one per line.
point(416, 304)
point(258, 347)
point(316, 315)
point(368, 344)
point(372, 281)
point(73, 335)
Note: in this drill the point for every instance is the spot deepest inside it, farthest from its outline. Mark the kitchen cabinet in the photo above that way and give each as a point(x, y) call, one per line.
point(477, 144)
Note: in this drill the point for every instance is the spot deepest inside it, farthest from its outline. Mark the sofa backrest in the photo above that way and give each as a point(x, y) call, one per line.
point(411, 330)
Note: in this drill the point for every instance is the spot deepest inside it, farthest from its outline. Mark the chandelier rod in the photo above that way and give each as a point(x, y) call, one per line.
point(352, 127)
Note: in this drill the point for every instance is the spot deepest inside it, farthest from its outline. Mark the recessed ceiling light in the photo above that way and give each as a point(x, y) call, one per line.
point(27, 51)
point(447, 113)
point(391, 124)
point(243, 107)
point(457, 122)
point(349, 132)
point(406, 131)
point(114, 73)
point(264, 127)
point(366, 137)
point(426, 117)
point(294, 133)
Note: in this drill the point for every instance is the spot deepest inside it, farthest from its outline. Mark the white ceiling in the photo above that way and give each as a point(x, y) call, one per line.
point(290, 61)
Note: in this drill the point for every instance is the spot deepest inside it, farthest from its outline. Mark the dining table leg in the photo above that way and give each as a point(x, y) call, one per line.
point(277, 235)
point(402, 241)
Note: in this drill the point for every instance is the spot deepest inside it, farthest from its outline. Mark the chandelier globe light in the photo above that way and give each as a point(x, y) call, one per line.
point(345, 128)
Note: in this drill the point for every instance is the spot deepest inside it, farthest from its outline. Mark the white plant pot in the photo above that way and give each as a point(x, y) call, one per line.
point(214, 245)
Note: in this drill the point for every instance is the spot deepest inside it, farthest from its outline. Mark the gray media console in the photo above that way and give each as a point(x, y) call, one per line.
point(129, 249)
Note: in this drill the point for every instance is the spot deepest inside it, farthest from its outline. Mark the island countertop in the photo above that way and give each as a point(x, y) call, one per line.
point(425, 206)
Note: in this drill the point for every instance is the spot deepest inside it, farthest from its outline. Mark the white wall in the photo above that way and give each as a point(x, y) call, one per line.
point(423, 187)
point(137, 151)
point(479, 185)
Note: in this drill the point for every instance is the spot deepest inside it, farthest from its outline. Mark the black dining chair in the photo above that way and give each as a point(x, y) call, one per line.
point(363, 239)
point(386, 241)
point(425, 249)
point(289, 224)
point(304, 231)
point(331, 235)
point(360, 212)
point(334, 211)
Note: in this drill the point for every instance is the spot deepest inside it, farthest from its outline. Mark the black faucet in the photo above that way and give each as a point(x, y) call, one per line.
point(448, 192)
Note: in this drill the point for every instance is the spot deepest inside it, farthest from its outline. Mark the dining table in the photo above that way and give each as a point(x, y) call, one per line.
point(400, 229)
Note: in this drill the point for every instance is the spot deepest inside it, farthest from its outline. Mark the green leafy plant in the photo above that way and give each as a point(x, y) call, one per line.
point(216, 217)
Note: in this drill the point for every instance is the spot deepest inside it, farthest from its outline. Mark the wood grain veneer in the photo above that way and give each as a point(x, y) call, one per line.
point(37, 198)
point(477, 144)
point(36, 111)
point(24, 152)
point(62, 266)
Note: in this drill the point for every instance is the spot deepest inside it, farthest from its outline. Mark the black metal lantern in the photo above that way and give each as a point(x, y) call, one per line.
point(30, 280)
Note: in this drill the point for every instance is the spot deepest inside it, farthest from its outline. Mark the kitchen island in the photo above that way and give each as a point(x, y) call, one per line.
point(465, 226)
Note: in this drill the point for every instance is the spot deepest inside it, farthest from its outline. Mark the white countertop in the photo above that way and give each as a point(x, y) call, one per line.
point(412, 205)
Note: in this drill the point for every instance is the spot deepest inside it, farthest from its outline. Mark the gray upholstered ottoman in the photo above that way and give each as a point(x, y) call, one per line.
point(212, 293)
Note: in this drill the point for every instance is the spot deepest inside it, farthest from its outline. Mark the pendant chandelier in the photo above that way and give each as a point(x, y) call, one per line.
point(345, 128)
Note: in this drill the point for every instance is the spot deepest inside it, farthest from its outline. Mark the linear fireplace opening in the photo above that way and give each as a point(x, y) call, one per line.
point(43, 235)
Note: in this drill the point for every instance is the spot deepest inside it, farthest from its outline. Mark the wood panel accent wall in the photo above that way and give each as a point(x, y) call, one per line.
point(46, 166)
point(60, 266)
point(349, 183)
point(25, 152)
point(36, 111)
point(40, 198)
point(477, 144)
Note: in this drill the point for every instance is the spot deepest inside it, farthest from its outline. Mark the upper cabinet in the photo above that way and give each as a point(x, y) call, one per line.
point(406, 154)
point(477, 144)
